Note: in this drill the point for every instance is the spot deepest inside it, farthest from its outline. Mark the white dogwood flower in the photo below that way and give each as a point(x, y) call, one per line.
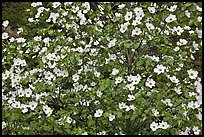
point(159, 69)
point(171, 18)
point(5, 23)
point(150, 82)
point(192, 74)
point(154, 126)
point(98, 113)
point(131, 97)
point(128, 16)
point(115, 71)
point(111, 117)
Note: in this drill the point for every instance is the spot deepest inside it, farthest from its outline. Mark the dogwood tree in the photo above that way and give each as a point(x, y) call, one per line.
point(96, 68)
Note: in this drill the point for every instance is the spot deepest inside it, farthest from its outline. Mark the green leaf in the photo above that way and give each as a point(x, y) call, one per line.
point(137, 94)
point(148, 62)
point(119, 114)
point(136, 45)
point(188, 4)
point(104, 84)
point(195, 23)
point(51, 32)
point(127, 116)
point(58, 129)
point(4, 113)
point(126, 45)
point(89, 120)
point(133, 117)
point(139, 63)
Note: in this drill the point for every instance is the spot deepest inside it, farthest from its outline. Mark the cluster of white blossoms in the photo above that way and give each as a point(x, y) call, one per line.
point(53, 17)
point(155, 112)
point(187, 13)
point(35, 4)
point(150, 26)
point(5, 75)
point(56, 4)
point(134, 81)
point(26, 92)
point(172, 8)
point(167, 102)
point(52, 56)
point(139, 13)
point(193, 104)
point(87, 7)
point(81, 17)
point(24, 107)
point(122, 105)
point(48, 111)
point(182, 42)
point(112, 43)
point(101, 133)
point(163, 125)
point(59, 72)
point(65, 119)
point(19, 62)
point(176, 49)
point(195, 130)
point(40, 10)
point(153, 57)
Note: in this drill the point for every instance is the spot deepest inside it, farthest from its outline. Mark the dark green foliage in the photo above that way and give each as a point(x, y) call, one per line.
point(15, 12)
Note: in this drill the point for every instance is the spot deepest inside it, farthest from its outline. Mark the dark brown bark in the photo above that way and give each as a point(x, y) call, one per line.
point(10, 32)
